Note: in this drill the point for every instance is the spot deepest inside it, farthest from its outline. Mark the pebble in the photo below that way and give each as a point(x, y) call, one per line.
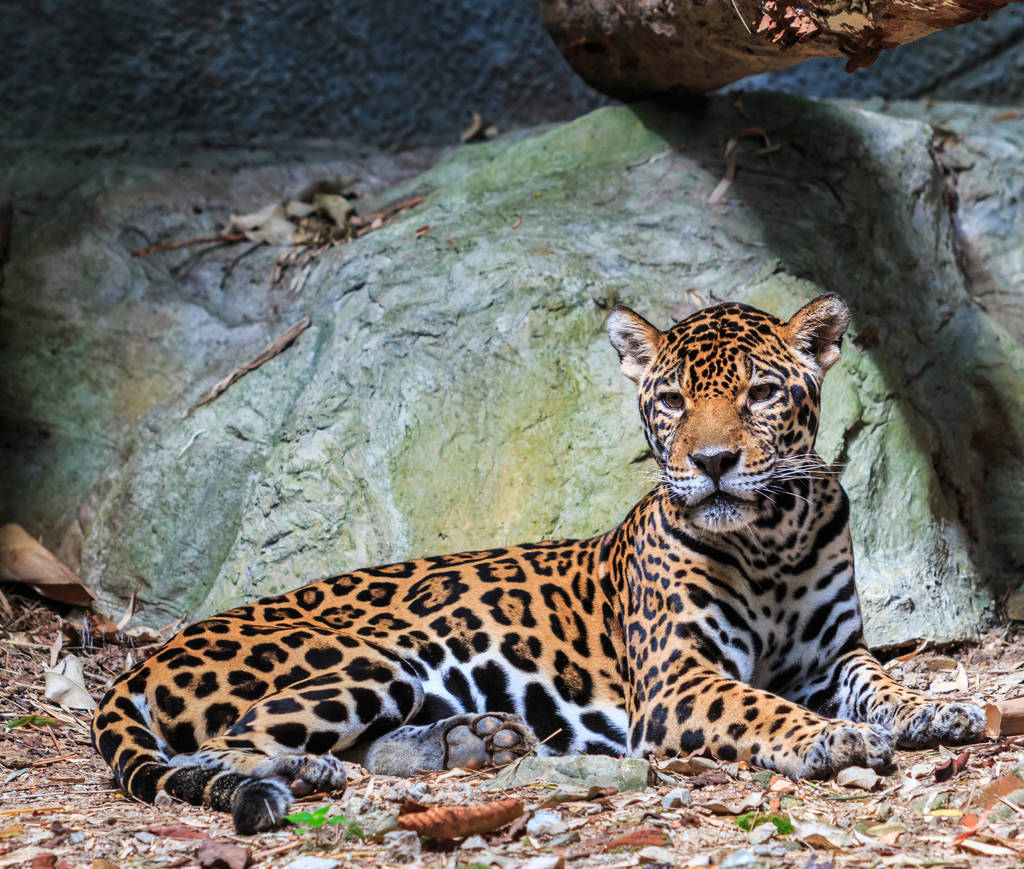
point(313, 863)
point(145, 838)
point(544, 823)
point(403, 846)
point(676, 798)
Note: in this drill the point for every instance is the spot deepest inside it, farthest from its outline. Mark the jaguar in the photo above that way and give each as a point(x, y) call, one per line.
point(720, 616)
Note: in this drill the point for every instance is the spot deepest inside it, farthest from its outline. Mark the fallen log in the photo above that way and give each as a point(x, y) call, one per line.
point(640, 48)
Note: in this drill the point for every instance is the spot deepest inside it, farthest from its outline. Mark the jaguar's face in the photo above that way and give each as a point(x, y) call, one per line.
point(729, 400)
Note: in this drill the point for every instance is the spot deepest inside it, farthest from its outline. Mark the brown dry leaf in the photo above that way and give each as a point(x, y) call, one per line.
point(44, 861)
point(23, 559)
point(952, 766)
point(692, 765)
point(706, 779)
point(639, 839)
point(103, 863)
point(11, 830)
point(747, 803)
point(858, 777)
point(176, 831)
point(1001, 787)
point(216, 854)
point(274, 348)
point(454, 822)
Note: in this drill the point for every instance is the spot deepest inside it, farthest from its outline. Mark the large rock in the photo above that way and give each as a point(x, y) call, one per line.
point(456, 388)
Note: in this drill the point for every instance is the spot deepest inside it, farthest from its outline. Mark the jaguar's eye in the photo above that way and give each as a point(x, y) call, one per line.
point(761, 391)
point(671, 400)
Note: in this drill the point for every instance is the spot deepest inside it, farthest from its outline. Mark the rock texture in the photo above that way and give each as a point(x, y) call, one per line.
point(456, 388)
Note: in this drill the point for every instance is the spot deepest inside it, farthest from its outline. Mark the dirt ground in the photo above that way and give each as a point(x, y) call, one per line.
point(59, 807)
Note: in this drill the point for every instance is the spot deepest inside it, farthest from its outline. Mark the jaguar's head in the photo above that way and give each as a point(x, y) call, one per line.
point(729, 399)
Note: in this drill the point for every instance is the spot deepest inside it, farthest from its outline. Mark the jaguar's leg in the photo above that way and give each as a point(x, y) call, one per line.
point(286, 744)
point(859, 688)
point(737, 722)
point(470, 741)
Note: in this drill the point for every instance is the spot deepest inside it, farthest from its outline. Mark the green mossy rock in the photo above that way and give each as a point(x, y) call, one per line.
point(456, 389)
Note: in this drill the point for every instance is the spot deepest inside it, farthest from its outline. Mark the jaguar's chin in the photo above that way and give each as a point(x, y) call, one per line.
point(720, 512)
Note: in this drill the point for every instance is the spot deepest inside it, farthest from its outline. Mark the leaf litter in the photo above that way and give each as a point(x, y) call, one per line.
point(941, 808)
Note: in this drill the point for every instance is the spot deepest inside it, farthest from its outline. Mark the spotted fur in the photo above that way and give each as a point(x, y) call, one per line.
point(721, 614)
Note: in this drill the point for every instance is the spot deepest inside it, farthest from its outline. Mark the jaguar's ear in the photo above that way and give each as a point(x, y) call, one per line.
point(816, 330)
point(634, 339)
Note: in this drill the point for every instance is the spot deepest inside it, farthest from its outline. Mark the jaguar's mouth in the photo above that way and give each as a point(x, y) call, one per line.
point(720, 512)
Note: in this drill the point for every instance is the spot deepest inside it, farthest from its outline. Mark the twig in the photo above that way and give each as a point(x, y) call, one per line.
point(278, 345)
point(47, 761)
point(222, 237)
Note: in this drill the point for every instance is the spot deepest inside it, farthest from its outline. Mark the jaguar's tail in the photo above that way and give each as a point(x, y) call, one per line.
point(144, 765)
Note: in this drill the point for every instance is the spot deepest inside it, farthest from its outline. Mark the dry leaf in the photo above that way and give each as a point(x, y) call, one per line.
point(732, 149)
point(11, 830)
point(952, 766)
point(985, 848)
point(335, 206)
point(639, 839)
point(454, 822)
point(478, 130)
point(817, 834)
point(858, 777)
point(692, 765)
point(215, 854)
point(23, 559)
point(957, 683)
point(176, 831)
point(65, 684)
point(1001, 787)
point(736, 807)
point(886, 833)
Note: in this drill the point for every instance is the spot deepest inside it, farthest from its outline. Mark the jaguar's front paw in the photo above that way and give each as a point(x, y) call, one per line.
point(939, 722)
point(492, 739)
point(843, 743)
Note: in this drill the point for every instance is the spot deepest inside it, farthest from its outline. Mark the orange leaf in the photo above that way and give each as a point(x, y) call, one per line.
point(454, 822)
point(22, 559)
point(639, 839)
point(1001, 787)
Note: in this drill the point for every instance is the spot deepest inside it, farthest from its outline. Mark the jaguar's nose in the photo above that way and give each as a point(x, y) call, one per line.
point(715, 464)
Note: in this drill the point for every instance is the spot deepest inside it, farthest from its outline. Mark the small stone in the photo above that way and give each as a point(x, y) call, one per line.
point(577, 771)
point(75, 838)
point(163, 800)
point(654, 854)
point(312, 863)
point(145, 838)
point(544, 823)
point(418, 791)
point(676, 798)
point(762, 833)
point(403, 846)
point(473, 843)
point(745, 859)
